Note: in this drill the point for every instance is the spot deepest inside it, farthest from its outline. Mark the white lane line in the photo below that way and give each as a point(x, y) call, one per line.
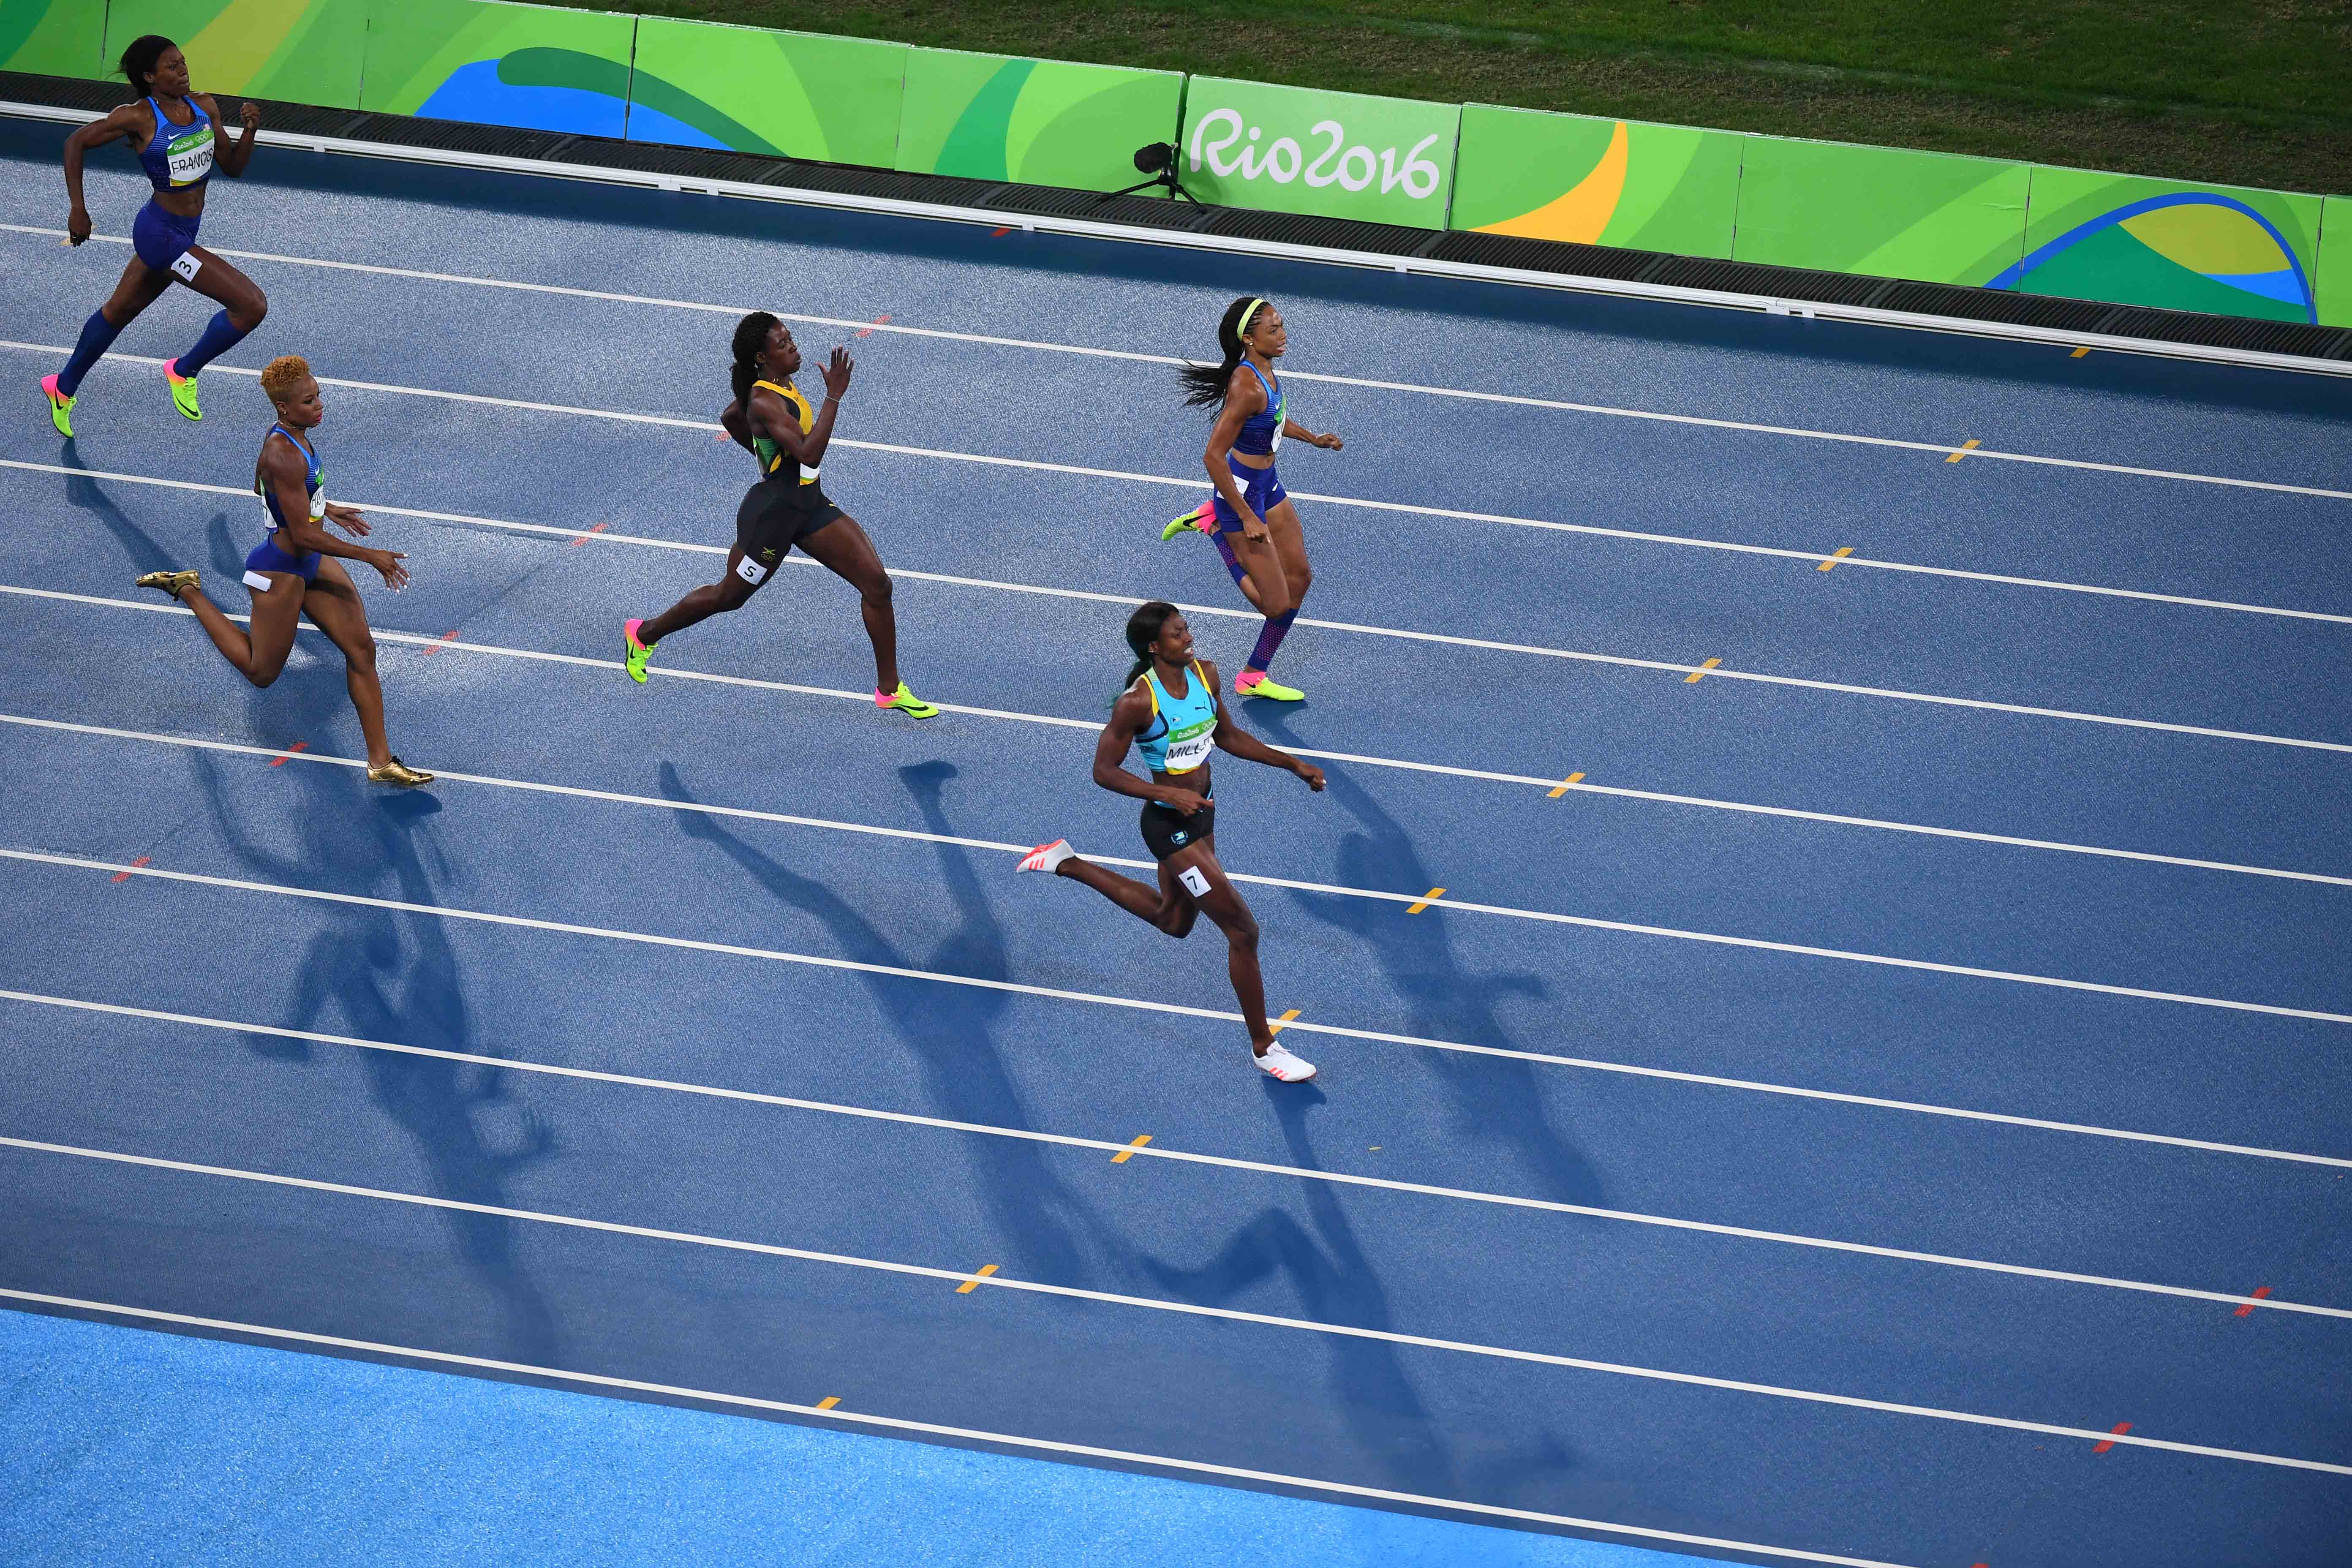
point(1159, 1304)
point(932, 1430)
point(1557, 405)
point(1810, 556)
point(1066, 1140)
point(733, 950)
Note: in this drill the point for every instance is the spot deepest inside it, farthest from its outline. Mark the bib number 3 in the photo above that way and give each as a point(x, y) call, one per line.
point(186, 265)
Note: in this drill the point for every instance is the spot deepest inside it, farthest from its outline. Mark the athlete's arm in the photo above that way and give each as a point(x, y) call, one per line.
point(119, 125)
point(232, 156)
point(1292, 430)
point(731, 420)
point(283, 472)
point(1129, 717)
point(1232, 737)
point(1243, 397)
point(350, 519)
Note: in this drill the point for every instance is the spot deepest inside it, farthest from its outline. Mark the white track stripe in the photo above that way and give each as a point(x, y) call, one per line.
point(1700, 421)
point(1814, 557)
point(1162, 1151)
point(612, 933)
point(932, 1430)
point(1159, 1304)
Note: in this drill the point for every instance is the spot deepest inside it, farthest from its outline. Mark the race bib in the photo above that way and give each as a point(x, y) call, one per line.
point(1188, 748)
point(1195, 882)
point(189, 158)
point(751, 571)
point(1280, 418)
point(186, 265)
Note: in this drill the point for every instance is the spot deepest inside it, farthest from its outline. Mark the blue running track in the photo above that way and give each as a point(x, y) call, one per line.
point(1891, 1108)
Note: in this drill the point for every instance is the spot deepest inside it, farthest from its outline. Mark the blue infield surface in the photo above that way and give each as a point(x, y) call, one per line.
point(1873, 1089)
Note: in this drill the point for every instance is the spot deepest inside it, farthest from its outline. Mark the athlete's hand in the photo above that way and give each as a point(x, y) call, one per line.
point(1312, 775)
point(388, 563)
point(250, 112)
point(1186, 802)
point(77, 225)
point(1254, 526)
point(1329, 443)
point(837, 373)
point(350, 519)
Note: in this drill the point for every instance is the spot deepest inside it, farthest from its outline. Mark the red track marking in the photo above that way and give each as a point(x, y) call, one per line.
point(2119, 1428)
point(603, 526)
point(868, 331)
point(299, 745)
point(1000, 234)
point(450, 636)
point(2247, 1310)
point(125, 876)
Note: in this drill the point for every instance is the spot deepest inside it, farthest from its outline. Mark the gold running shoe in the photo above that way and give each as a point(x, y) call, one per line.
point(396, 772)
point(172, 584)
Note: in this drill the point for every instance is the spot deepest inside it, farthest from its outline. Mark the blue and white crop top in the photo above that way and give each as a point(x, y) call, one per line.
point(1261, 433)
point(1182, 729)
point(178, 156)
point(271, 517)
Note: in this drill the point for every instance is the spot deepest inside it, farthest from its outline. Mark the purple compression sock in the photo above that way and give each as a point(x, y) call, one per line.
point(220, 336)
point(1269, 638)
point(98, 336)
point(1233, 561)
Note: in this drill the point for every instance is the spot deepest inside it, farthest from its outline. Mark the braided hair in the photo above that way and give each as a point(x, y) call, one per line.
point(1204, 385)
point(751, 341)
point(139, 59)
point(1142, 631)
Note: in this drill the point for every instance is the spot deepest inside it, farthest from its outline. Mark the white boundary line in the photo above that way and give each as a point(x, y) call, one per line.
point(1162, 1151)
point(932, 1430)
point(734, 950)
point(1182, 1309)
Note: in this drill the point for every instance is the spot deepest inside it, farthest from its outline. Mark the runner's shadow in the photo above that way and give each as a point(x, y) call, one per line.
point(1334, 1282)
point(147, 553)
point(949, 1030)
point(380, 974)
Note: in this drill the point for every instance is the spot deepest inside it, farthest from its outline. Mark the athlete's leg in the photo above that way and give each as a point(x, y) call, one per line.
point(841, 548)
point(139, 287)
point(1168, 907)
point(1197, 874)
point(729, 592)
point(259, 655)
point(1290, 544)
point(243, 307)
point(1265, 585)
point(333, 605)
point(1287, 546)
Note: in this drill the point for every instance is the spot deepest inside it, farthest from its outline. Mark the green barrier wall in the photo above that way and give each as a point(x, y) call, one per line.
point(2335, 289)
point(1335, 154)
point(539, 67)
point(1040, 122)
point(699, 84)
point(1597, 182)
point(304, 51)
point(2135, 241)
point(1879, 211)
point(53, 37)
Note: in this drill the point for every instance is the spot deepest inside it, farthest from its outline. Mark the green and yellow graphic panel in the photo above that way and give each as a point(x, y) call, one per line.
point(1597, 182)
point(802, 95)
point(303, 51)
point(1039, 123)
point(1880, 211)
point(539, 67)
point(1335, 154)
point(2335, 282)
point(2135, 241)
point(53, 37)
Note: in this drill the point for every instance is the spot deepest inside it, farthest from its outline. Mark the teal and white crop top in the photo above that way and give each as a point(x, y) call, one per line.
point(1182, 729)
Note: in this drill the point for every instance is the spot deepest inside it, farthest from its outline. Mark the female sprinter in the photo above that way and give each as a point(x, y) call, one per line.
point(770, 420)
point(1171, 712)
point(171, 129)
point(290, 576)
point(1250, 519)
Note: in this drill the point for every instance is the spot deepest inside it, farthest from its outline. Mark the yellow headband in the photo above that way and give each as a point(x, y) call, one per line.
point(1240, 329)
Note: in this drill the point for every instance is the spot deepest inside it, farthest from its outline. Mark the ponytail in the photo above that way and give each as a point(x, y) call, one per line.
point(751, 341)
point(1204, 385)
point(1142, 631)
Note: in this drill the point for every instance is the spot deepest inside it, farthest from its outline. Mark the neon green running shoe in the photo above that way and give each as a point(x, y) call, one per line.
point(1202, 517)
point(906, 702)
point(61, 406)
point(633, 654)
point(1257, 683)
point(183, 390)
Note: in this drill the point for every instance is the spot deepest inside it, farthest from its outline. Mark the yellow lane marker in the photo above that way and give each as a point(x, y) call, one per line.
point(1966, 448)
point(828, 1401)
point(1572, 778)
point(1839, 553)
point(1694, 677)
point(969, 1286)
point(1431, 897)
point(2078, 354)
point(1124, 1155)
point(1275, 1027)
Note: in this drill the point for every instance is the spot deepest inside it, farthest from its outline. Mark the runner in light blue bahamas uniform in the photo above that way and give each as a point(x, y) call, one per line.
point(1171, 712)
point(172, 130)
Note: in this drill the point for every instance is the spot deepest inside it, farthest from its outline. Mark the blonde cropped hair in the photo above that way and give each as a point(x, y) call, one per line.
point(279, 375)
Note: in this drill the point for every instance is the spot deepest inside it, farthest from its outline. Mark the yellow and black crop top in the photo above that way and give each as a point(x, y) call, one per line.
point(772, 457)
